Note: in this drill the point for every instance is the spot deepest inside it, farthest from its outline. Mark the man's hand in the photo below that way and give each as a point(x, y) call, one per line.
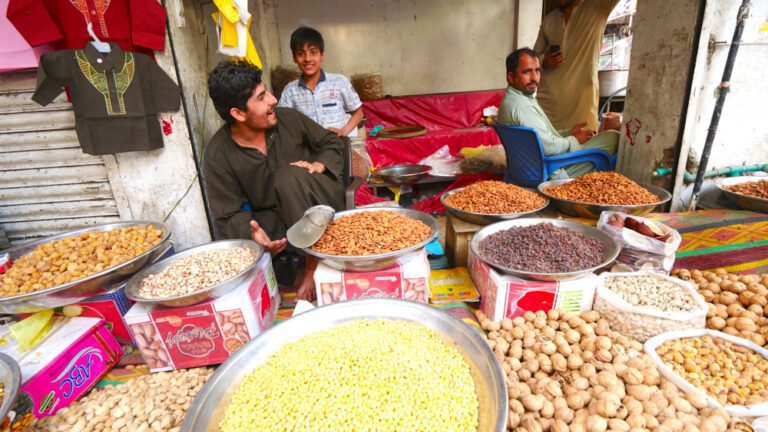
point(553, 60)
point(314, 167)
point(337, 131)
point(260, 236)
point(581, 134)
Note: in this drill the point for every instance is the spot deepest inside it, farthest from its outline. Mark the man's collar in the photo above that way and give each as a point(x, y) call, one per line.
point(518, 92)
point(109, 61)
point(304, 83)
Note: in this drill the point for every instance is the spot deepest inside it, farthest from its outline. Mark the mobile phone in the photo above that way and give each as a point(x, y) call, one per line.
point(554, 48)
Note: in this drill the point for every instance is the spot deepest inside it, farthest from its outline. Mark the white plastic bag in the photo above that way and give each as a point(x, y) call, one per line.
point(443, 163)
point(642, 323)
point(651, 344)
point(638, 251)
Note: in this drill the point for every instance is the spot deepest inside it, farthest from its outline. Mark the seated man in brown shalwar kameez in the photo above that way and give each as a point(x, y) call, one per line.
point(267, 165)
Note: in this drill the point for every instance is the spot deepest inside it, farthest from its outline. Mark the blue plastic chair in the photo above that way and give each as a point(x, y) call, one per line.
point(526, 163)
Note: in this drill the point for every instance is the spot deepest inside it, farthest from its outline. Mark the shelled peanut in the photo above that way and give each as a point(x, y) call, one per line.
point(730, 373)
point(571, 372)
point(156, 402)
point(737, 303)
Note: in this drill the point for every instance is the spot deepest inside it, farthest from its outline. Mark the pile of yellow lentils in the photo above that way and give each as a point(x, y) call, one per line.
point(378, 375)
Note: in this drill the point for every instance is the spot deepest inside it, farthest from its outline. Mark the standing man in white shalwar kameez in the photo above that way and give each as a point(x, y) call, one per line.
point(569, 44)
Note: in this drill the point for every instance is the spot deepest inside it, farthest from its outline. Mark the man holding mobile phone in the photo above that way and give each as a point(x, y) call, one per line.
point(569, 49)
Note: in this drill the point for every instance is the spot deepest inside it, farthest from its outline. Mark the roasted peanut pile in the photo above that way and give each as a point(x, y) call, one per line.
point(542, 248)
point(371, 233)
point(362, 376)
point(571, 372)
point(62, 261)
point(737, 303)
point(605, 187)
point(495, 197)
point(197, 272)
point(758, 189)
point(156, 402)
point(730, 373)
point(652, 292)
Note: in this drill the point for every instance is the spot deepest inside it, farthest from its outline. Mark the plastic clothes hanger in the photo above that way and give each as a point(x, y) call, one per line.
point(100, 46)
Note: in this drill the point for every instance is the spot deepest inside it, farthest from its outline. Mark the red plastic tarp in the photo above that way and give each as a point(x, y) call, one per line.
point(450, 119)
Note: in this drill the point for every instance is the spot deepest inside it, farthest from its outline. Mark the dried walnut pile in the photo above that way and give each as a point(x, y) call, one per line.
point(542, 248)
point(603, 188)
point(738, 304)
point(62, 261)
point(494, 197)
point(197, 272)
point(757, 189)
point(371, 233)
point(573, 373)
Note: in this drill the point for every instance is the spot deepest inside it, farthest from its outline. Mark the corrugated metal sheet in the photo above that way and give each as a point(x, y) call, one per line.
point(47, 184)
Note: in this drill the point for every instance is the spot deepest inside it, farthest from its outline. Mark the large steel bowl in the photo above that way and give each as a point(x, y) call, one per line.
point(89, 286)
point(403, 173)
point(612, 248)
point(133, 287)
point(378, 261)
point(745, 202)
point(210, 404)
point(10, 376)
point(592, 210)
point(483, 218)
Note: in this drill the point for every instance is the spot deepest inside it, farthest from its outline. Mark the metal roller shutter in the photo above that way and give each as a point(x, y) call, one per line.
point(47, 184)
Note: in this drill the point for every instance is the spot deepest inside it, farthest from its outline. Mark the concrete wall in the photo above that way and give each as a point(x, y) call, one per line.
point(661, 52)
point(419, 46)
point(742, 136)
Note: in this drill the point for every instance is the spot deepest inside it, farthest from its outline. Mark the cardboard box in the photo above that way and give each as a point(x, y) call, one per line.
point(407, 279)
point(69, 361)
point(452, 285)
point(206, 333)
point(503, 296)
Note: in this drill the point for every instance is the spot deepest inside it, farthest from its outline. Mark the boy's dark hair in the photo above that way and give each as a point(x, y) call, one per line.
point(513, 59)
point(231, 84)
point(306, 36)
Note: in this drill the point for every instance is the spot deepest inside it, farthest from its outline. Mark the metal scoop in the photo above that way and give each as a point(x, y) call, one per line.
point(308, 230)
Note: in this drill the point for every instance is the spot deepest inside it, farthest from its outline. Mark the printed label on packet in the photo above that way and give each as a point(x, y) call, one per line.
point(384, 284)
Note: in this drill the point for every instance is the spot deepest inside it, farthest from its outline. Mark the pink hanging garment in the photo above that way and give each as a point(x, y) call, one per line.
point(15, 52)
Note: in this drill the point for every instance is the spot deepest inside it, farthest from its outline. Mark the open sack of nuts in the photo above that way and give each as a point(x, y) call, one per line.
point(641, 305)
point(645, 244)
point(728, 371)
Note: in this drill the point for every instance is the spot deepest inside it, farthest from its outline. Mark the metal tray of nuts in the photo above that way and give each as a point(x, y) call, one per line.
point(611, 247)
point(210, 404)
point(133, 286)
point(745, 202)
point(89, 286)
point(378, 261)
point(483, 218)
point(10, 376)
point(592, 211)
